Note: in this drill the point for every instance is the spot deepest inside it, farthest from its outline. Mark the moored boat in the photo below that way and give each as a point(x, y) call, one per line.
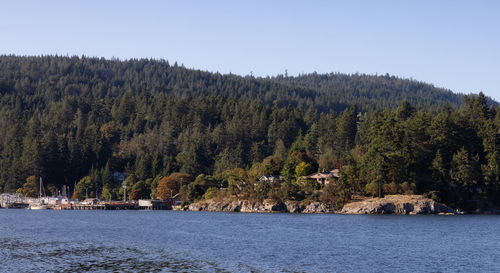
point(39, 205)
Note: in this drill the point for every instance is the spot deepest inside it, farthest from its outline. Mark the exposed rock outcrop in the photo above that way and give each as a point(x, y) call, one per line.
point(258, 206)
point(317, 207)
point(397, 204)
point(391, 204)
point(293, 207)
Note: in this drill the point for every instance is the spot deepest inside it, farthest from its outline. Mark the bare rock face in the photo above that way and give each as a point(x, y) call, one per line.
point(391, 204)
point(238, 206)
point(293, 207)
point(267, 205)
point(397, 204)
point(317, 207)
point(210, 205)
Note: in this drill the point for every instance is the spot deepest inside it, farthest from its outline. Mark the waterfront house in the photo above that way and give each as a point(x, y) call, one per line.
point(324, 178)
point(271, 178)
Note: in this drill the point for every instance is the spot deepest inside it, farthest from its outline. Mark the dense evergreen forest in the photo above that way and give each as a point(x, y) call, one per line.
point(76, 121)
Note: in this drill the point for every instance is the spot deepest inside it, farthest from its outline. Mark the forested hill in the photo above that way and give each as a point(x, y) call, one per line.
point(379, 91)
point(53, 77)
point(76, 121)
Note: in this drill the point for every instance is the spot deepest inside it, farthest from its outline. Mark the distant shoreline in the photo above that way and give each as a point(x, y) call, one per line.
point(389, 205)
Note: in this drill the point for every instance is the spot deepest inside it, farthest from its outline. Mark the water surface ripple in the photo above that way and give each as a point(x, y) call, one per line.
point(176, 241)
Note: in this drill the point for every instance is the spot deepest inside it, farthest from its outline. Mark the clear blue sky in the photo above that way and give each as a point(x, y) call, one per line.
point(452, 44)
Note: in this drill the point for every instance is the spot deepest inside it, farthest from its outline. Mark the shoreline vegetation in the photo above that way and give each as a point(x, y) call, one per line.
point(146, 129)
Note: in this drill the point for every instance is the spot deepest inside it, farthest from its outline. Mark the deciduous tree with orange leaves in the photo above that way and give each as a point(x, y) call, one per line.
point(170, 185)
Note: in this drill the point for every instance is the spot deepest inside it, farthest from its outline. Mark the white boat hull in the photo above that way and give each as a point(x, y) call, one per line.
point(38, 207)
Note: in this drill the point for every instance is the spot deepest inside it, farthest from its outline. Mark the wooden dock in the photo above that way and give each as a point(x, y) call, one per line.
point(16, 206)
point(116, 206)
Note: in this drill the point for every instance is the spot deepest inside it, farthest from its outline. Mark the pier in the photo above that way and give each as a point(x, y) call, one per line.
point(146, 205)
point(17, 201)
point(105, 206)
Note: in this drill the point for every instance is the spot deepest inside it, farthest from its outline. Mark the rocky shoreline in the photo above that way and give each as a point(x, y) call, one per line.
point(267, 205)
point(391, 204)
point(397, 204)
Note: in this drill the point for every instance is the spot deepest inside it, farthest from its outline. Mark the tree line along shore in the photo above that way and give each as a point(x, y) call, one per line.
point(83, 123)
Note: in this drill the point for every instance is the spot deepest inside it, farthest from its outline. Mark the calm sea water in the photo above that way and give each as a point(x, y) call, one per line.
point(175, 241)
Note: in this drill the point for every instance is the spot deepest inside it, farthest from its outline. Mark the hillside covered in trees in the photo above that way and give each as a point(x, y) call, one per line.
point(76, 121)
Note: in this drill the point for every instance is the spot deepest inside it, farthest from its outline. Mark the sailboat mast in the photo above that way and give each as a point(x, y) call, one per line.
point(41, 187)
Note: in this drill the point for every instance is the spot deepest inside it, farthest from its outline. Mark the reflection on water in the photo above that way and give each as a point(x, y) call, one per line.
point(170, 241)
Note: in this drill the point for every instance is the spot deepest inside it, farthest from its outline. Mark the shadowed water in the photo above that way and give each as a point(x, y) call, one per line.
point(174, 241)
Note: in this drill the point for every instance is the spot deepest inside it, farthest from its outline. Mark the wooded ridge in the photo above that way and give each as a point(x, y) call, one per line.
point(82, 122)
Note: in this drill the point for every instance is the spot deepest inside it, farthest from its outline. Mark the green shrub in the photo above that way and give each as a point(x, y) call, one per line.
point(210, 193)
